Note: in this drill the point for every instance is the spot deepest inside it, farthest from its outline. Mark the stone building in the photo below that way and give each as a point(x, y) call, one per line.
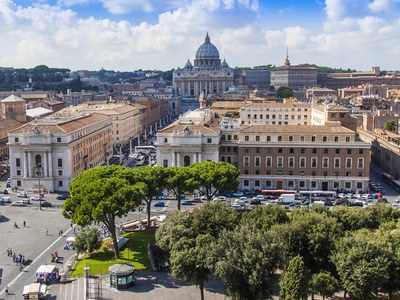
point(57, 149)
point(189, 140)
point(295, 77)
point(208, 75)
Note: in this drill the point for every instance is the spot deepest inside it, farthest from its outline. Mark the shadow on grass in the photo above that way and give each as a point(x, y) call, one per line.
point(134, 252)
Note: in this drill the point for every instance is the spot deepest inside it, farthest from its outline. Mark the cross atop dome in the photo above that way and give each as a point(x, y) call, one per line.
point(207, 39)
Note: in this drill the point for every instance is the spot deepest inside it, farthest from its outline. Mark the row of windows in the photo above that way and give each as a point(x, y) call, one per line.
point(280, 117)
point(276, 109)
point(273, 123)
point(302, 173)
point(303, 150)
point(302, 162)
point(302, 184)
point(18, 162)
point(291, 138)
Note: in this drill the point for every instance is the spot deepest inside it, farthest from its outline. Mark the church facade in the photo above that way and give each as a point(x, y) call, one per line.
point(208, 75)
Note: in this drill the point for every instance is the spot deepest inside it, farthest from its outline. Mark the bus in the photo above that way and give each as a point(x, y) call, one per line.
point(396, 185)
point(145, 149)
point(386, 177)
point(275, 194)
point(140, 160)
point(319, 195)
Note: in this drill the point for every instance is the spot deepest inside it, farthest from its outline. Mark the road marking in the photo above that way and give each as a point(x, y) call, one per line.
point(165, 208)
point(35, 260)
point(72, 290)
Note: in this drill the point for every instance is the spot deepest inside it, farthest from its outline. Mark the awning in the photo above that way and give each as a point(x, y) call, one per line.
point(45, 269)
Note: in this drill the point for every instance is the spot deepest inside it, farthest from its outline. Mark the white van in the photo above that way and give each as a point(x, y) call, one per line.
point(322, 203)
point(6, 199)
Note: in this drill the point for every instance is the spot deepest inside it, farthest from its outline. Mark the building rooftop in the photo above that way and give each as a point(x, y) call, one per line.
point(295, 129)
point(194, 128)
point(38, 111)
point(60, 124)
point(13, 98)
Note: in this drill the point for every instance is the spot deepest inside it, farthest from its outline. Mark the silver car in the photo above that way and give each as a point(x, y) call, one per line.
point(18, 203)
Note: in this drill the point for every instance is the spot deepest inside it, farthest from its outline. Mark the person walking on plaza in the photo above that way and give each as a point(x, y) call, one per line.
point(47, 231)
point(24, 223)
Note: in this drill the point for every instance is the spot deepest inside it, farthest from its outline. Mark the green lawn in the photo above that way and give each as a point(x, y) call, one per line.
point(134, 253)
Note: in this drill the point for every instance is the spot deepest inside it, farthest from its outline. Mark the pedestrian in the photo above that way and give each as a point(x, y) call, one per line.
point(24, 223)
point(47, 231)
point(71, 224)
point(59, 232)
point(6, 289)
point(62, 232)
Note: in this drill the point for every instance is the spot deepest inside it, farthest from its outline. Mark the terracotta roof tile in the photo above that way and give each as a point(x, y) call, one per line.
point(294, 128)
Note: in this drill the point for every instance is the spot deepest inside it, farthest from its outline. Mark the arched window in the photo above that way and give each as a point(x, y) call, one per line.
point(186, 161)
point(38, 160)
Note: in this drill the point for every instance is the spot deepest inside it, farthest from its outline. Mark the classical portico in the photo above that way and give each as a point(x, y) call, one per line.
point(184, 143)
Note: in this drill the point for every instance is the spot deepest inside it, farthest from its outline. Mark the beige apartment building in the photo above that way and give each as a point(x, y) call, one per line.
point(276, 114)
point(57, 149)
point(128, 121)
point(301, 157)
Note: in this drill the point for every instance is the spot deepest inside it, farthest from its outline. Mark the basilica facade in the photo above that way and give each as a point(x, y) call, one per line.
point(208, 75)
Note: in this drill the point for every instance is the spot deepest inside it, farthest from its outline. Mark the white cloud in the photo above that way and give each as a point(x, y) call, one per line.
point(381, 5)
point(335, 9)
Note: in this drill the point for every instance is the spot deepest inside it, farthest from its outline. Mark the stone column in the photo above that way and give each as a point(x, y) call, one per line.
point(30, 164)
point(50, 165)
point(178, 159)
point(199, 157)
point(45, 165)
point(26, 174)
point(195, 158)
point(173, 159)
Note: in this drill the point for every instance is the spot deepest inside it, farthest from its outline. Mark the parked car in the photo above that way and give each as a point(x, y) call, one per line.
point(259, 197)
point(26, 201)
point(244, 199)
point(342, 201)
point(236, 206)
point(46, 204)
point(237, 194)
point(62, 197)
point(5, 192)
point(6, 199)
point(255, 201)
point(272, 202)
point(159, 204)
point(161, 218)
point(18, 203)
point(204, 197)
point(22, 195)
point(240, 202)
point(196, 200)
point(36, 198)
point(294, 205)
point(382, 200)
point(186, 202)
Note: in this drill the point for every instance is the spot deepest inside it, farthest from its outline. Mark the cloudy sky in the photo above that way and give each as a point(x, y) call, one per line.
point(126, 35)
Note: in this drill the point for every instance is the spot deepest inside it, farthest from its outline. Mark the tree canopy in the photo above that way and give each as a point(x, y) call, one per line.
point(216, 176)
point(390, 125)
point(284, 92)
point(101, 194)
point(246, 259)
point(180, 180)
